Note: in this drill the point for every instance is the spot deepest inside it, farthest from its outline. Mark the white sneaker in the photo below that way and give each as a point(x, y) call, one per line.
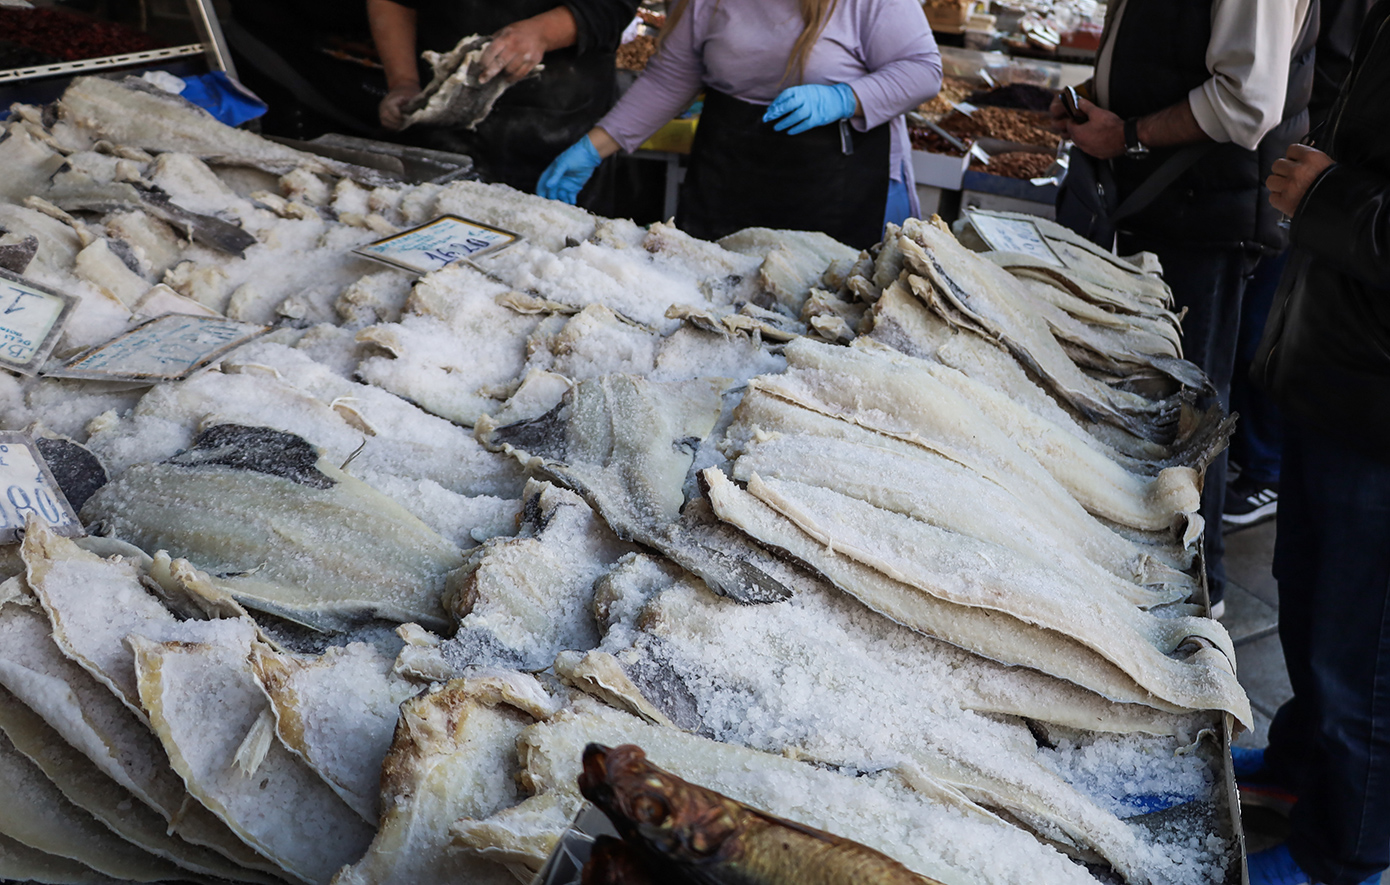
point(1218, 610)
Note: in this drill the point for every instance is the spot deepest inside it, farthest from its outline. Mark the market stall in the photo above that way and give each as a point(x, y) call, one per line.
point(363, 507)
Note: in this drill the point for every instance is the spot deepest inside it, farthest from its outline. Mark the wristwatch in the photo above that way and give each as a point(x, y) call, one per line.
point(1133, 146)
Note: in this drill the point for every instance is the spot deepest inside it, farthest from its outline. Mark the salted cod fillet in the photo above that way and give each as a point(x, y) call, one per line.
point(150, 118)
point(454, 96)
point(880, 811)
point(86, 787)
point(117, 741)
point(203, 703)
point(337, 712)
point(982, 294)
point(36, 813)
point(282, 530)
point(991, 634)
point(20, 863)
point(976, 574)
point(453, 756)
point(1102, 486)
point(934, 490)
point(883, 391)
point(626, 445)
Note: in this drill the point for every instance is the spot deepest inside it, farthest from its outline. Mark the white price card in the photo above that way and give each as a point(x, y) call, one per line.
point(443, 241)
point(31, 319)
point(27, 488)
point(167, 348)
point(1014, 235)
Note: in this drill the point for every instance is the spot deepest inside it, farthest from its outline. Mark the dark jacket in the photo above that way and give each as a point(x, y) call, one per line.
point(1326, 350)
point(1341, 25)
point(539, 117)
point(1159, 56)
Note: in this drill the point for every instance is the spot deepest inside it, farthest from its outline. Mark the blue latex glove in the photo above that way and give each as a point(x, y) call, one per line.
point(806, 107)
point(565, 178)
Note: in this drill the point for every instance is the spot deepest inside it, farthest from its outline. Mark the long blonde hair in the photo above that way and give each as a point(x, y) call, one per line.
point(814, 14)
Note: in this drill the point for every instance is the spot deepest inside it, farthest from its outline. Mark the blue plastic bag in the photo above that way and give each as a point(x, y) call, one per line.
point(223, 97)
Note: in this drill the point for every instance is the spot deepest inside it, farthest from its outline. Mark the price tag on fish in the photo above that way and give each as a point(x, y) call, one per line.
point(31, 319)
point(1014, 235)
point(443, 241)
point(167, 348)
point(27, 488)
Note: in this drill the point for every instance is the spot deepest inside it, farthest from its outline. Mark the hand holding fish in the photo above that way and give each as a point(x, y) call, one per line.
point(391, 111)
point(1290, 177)
point(519, 47)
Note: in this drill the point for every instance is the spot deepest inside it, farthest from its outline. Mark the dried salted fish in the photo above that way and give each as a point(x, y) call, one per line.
point(880, 811)
point(91, 719)
point(20, 863)
point(36, 813)
point(664, 818)
point(526, 598)
point(453, 756)
point(132, 113)
point(975, 574)
point(337, 712)
point(282, 530)
point(455, 96)
point(627, 444)
point(115, 808)
point(204, 704)
point(1101, 485)
point(988, 633)
point(550, 224)
point(981, 297)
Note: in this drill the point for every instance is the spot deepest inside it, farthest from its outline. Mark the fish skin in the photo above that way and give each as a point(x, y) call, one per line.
point(710, 839)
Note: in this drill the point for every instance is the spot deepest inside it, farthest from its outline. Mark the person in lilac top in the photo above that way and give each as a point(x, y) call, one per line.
point(802, 126)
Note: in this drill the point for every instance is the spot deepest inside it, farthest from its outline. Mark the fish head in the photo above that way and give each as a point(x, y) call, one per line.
point(681, 821)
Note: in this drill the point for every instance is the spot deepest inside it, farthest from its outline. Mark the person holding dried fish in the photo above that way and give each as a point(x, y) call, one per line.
point(543, 77)
point(802, 126)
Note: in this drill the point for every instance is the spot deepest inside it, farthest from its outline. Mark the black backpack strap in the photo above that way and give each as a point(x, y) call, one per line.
point(1161, 178)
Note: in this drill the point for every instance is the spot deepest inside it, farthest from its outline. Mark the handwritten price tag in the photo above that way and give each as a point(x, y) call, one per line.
point(443, 241)
point(31, 319)
point(1014, 235)
point(167, 348)
point(27, 488)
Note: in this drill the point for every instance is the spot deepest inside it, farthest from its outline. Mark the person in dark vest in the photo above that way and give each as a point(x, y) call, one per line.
point(1234, 75)
point(535, 119)
point(802, 126)
point(1325, 358)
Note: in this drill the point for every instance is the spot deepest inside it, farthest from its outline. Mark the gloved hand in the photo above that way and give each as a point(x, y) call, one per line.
point(806, 107)
point(565, 178)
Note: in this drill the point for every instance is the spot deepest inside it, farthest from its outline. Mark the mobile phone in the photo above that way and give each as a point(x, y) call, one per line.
point(1071, 102)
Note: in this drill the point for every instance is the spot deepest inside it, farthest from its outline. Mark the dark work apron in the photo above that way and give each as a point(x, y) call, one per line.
point(743, 173)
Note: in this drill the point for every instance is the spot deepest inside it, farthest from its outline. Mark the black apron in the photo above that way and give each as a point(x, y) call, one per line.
point(743, 173)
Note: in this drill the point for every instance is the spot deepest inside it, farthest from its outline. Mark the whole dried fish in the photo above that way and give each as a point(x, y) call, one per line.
point(702, 836)
point(455, 96)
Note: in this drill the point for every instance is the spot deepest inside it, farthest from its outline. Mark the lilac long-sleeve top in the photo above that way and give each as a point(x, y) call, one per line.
point(883, 49)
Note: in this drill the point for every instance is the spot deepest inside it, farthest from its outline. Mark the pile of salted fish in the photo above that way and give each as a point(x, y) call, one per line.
point(901, 546)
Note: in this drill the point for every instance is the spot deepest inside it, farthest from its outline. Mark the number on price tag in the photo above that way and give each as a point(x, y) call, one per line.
point(31, 319)
point(445, 240)
point(167, 348)
point(27, 488)
point(1016, 235)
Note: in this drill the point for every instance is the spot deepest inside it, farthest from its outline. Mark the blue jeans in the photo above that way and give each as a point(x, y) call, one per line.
point(1259, 434)
point(1331, 743)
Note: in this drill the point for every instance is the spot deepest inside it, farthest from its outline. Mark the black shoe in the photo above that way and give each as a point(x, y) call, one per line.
point(1249, 502)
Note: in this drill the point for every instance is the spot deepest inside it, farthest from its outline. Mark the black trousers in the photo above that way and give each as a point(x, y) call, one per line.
point(1209, 282)
point(1331, 743)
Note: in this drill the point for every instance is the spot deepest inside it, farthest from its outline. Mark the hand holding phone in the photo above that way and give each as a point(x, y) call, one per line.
point(1071, 102)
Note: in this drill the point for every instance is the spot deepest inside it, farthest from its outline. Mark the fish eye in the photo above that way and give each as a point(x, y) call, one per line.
point(649, 810)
